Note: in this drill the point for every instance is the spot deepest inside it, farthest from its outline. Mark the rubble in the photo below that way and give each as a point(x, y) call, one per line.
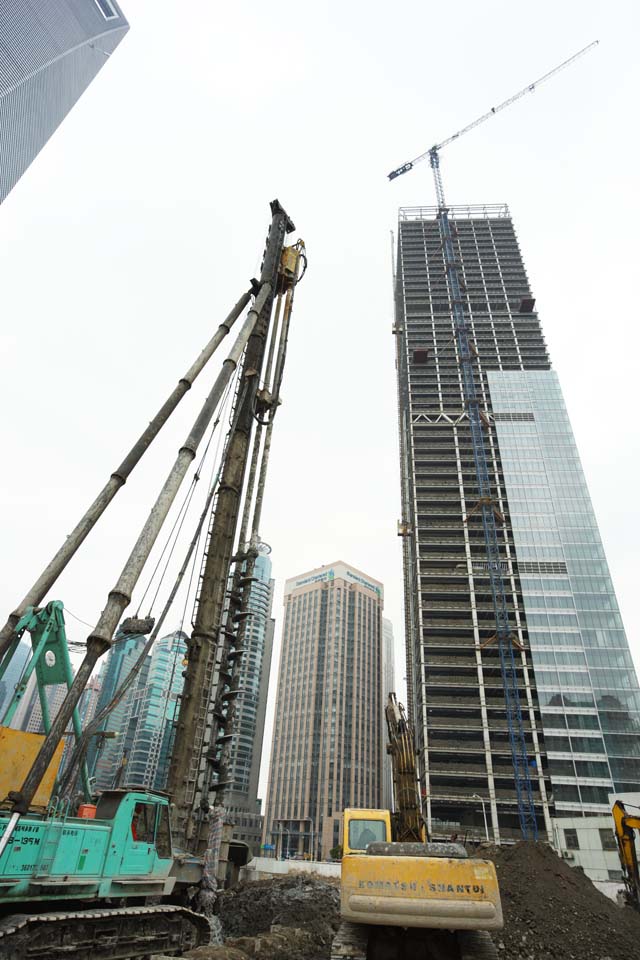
point(295, 901)
point(552, 912)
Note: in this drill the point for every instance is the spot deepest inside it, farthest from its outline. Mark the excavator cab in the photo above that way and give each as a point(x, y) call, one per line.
point(362, 827)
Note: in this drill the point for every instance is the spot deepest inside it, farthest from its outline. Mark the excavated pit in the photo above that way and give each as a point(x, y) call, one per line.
point(552, 912)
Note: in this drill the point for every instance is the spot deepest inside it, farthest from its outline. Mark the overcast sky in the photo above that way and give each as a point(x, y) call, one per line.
point(139, 224)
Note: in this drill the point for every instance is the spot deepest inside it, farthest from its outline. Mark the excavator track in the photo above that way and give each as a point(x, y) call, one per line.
point(102, 934)
point(355, 941)
point(350, 942)
point(476, 945)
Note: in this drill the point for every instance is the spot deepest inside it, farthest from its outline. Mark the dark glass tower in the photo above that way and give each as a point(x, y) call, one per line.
point(50, 52)
point(578, 689)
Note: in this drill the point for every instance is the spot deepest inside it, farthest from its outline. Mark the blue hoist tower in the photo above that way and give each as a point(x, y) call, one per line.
point(486, 504)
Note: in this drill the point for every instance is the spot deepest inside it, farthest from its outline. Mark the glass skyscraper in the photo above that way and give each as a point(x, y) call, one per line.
point(51, 51)
point(243, 806)
point(152, 709)
point(578, 690)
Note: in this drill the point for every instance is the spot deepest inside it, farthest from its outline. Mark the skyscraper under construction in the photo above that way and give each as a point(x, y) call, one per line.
point(578, 690)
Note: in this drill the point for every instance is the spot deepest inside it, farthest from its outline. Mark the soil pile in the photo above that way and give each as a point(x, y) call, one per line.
point(553, 912)
point(301, 902)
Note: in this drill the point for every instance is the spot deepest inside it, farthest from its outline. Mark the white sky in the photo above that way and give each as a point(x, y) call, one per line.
point(137, 227)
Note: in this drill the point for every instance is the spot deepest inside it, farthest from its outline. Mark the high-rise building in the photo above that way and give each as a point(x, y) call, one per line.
point(152, 707)
point(579, 694)
point(243, 806)
point(51, 51)
point(327, 739)
point(12, 675)
point(104, 757)
point(388, 686)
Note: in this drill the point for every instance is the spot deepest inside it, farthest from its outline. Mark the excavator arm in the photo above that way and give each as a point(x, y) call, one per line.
point(624, 826)
point(408, 822)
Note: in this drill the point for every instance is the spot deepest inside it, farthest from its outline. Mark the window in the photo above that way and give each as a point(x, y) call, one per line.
point(143, 822)
point(571, 839)
point(107, 9)
point(607, 839)
point(363, 832)
point(615, 875)
point(163, 834)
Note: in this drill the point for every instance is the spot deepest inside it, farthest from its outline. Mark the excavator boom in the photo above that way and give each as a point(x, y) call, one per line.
point(625, 825)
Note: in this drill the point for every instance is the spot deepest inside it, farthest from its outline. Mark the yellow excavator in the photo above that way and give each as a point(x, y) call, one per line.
point(401, 896)
point(624, 825)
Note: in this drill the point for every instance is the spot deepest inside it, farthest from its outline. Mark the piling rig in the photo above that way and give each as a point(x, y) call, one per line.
point(135, 872)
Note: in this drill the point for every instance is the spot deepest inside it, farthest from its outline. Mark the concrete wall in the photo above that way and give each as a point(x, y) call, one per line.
point(264, 868)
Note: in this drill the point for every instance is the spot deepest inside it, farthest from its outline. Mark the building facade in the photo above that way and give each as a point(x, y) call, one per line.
point(388, 686)
point(327, 739)
point(12, 676)
point(104, 757)
point(152, 709)
point(51, 51)
point(243, 806)
point(578, 689)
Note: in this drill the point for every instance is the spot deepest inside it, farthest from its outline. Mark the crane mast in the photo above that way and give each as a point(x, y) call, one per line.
point(486, 504)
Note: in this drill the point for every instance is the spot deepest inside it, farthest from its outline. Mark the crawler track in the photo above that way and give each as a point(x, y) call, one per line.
point(102, 934)
point(355, 941)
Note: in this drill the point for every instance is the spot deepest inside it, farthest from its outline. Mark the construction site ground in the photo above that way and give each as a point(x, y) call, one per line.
point(552, 912)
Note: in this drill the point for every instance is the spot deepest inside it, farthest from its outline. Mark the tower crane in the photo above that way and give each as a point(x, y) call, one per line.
point(433, 153)
point(486, 504)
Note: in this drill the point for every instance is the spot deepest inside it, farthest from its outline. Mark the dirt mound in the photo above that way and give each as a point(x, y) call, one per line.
point(553, 912)
point(296, 902)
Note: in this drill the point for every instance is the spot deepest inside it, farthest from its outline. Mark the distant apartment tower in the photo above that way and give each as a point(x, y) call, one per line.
point(51, 51)
point(148, 726)
point(578, 689)
point(388, 686)
point(327, 739)
point(242, 803)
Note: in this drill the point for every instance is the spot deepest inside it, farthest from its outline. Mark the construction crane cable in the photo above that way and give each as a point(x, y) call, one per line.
point(93, 727)
point(182, 513)
point(119, 477)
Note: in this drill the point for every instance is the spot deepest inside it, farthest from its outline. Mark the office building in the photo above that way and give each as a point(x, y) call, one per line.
point(327, 739)
point(51, 51)
point(243, 806)
point(579, 693)
point(12, 675)
point(104, 757)
point(388, 686)
point(152, 707)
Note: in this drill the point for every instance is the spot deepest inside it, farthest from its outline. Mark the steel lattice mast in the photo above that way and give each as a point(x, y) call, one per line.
point(486, 505)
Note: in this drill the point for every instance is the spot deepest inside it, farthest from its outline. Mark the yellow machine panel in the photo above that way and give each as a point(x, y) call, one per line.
point(455, 894)
point(18, 751)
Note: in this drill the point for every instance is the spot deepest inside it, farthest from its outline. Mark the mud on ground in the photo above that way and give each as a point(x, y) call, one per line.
point(552, 912)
